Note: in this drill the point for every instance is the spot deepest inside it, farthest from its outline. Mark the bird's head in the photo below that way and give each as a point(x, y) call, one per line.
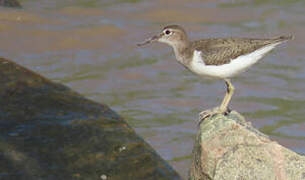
point(172, 35)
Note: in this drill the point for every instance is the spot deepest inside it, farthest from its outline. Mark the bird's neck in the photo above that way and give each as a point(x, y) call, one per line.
point(180, 50)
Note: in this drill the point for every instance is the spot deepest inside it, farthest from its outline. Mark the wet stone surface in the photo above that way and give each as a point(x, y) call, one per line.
point(48, 131)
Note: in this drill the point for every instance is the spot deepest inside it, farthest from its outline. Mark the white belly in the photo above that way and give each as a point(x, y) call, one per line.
point(231, 69)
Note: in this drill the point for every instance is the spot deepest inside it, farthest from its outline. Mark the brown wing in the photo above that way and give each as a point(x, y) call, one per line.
point(223, 51)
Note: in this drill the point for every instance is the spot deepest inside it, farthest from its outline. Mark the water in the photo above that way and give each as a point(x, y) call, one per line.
point(90, 46)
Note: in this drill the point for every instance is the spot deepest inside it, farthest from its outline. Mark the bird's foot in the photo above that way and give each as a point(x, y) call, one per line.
point(212, 112)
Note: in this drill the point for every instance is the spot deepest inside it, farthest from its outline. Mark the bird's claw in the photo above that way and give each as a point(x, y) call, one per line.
point(212, 112)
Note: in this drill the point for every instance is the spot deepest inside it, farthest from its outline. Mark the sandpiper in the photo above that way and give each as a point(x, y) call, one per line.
point(221, 58)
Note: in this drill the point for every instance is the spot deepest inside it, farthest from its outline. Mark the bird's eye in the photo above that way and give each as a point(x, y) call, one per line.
point(167, 32)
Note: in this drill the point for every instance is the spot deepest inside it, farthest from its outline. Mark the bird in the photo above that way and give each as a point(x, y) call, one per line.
point(218, 58)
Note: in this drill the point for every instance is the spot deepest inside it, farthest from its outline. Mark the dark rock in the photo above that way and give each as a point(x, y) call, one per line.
point(229, 148)
point(10, 3)
point(48, 131)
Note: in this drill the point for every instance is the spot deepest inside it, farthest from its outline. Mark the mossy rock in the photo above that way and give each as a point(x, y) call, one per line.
point(48, 131)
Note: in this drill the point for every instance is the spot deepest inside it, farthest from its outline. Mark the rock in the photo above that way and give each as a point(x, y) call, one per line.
point(10, 3)
point(229, 148)
point(48, 131)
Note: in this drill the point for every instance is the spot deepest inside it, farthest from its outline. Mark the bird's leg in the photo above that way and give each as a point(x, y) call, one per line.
point(223, 108)
point(226, 100)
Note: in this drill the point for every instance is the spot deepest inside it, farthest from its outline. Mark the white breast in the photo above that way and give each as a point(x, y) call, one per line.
point(238, 65)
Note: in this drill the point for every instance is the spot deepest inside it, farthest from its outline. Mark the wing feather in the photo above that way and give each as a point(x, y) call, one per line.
point(223, 51)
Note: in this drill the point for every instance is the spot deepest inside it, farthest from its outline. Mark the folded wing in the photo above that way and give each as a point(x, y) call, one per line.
point(223, 51)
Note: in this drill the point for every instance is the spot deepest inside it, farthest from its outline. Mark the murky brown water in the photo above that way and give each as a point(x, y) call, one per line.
point(90, 46)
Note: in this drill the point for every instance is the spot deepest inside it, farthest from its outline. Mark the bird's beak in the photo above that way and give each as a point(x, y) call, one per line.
point(150, 40)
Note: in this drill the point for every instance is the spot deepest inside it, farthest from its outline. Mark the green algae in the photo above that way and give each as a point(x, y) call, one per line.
point(177, 159)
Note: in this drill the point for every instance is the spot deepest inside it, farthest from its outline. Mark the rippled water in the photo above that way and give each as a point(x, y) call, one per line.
point(89, 45)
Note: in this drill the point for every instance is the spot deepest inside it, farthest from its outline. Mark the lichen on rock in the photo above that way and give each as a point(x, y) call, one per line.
point(228, 147)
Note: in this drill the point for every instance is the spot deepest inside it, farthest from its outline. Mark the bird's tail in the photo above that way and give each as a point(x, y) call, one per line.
point(283, 38)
